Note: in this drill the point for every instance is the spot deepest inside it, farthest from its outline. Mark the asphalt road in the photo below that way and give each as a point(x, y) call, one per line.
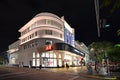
point(14, 73)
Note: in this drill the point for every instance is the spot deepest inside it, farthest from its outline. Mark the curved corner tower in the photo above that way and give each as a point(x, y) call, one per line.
point(42, 26)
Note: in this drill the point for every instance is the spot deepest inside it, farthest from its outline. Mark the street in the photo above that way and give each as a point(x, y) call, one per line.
point(15, 73)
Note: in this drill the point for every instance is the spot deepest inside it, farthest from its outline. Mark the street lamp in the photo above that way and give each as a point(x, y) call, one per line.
point(96, 2)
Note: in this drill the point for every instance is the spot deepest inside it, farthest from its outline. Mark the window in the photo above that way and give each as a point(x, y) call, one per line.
point(25, 46)
point(13, 60)
point(33, 62)
point(32, 35)
point(59, 56)
point(33, 54)
point(38, 55)
point(48, 21)
point(60, 35)
point(43, 55)
point(36, 43)
point(60, 62)
point(51, 55)
point(47, 55)
point(28, 37)
point(41, 22)
point(35, 33)
point(48, 32)
point(38, 62)
point(48, 42)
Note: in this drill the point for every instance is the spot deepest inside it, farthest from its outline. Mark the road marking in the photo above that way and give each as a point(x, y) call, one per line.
point(73, 78)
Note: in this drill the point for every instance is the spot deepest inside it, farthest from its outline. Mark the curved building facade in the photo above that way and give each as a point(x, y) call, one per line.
point(47, 41)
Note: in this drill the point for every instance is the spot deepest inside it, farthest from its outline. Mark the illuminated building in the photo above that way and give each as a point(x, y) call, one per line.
point(46, 40)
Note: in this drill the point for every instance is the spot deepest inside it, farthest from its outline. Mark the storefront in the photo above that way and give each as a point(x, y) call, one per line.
point(57, 56)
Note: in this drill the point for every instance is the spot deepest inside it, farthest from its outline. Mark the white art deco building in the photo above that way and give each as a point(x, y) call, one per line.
point(47, 41)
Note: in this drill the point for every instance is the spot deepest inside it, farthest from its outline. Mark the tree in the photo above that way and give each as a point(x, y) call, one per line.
point(114, 3)
point(102, 49)
point(4, 58)
point(114, 53)
point(99, 49)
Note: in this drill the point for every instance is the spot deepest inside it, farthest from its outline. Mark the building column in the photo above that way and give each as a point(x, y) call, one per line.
point(40, 66)
point(57, 57)
point(63, 62)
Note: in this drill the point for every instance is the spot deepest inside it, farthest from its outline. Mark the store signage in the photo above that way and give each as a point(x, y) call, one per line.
point(48, 47)
point(79, 52)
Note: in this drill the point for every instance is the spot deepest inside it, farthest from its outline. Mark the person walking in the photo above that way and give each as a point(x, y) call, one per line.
point(89, 68)
point(67, 66)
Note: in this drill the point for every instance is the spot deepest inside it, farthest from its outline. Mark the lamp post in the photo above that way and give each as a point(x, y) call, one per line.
point(96, 2)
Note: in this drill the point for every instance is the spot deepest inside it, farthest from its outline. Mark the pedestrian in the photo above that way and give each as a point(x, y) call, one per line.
point(89, 68)
point(67, 66)
point(40, 67)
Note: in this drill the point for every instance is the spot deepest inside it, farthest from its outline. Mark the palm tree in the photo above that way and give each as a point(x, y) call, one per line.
point(106, 3)
point(99, 50)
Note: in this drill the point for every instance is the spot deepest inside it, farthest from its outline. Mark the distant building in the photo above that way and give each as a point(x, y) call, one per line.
point(46, 41)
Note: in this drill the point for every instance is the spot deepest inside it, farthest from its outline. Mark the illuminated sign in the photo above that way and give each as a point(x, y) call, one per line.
point(48, 47)
point(79, 52)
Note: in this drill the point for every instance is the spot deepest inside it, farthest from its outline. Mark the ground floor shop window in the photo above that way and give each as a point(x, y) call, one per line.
point(48, 59)
point(76, 61)
point(13, 60)
point(68, 59)
point(33, 62)
point(60, 62)
point(37, 62)
point(49, 62)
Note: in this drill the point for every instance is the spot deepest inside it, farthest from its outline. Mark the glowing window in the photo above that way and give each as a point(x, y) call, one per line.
point(38, 62)
point(47, 54)
point(13, 60)
point(43, 54)
point(59, 56)
point(51, 55)
point(33, 54)
point(33, 62)
point(60, 62)
point(38, 55)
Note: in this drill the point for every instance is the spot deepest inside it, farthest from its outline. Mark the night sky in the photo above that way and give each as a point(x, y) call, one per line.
point(80, 14)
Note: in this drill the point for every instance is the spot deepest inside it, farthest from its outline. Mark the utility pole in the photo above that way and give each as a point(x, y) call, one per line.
point(96, 2)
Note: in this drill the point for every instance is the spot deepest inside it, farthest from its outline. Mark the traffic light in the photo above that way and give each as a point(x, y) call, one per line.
point(104, 23)
point(107, 25)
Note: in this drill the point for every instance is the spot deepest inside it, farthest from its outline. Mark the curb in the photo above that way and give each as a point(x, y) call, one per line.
point(92, 76)
point(104, 78)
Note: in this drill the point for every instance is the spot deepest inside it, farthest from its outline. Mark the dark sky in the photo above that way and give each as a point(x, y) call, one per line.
point(79, 14)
